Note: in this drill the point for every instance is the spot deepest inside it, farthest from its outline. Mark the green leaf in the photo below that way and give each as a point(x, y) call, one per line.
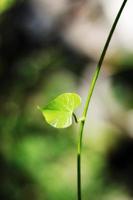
point(58, 113)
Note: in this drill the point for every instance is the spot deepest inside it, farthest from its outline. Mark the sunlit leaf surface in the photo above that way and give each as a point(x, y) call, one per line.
point(58, 113)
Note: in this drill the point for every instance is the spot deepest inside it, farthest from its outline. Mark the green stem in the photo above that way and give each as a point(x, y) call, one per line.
point(92, 86)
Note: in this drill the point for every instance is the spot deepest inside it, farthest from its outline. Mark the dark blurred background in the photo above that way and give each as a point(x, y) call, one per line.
point(46, 48)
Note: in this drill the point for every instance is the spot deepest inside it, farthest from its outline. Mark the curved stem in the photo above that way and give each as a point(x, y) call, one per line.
point(75, 118)
point(92, 86)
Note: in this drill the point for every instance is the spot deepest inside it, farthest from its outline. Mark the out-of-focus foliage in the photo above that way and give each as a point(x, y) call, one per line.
point(122, 80)
point(5, 4)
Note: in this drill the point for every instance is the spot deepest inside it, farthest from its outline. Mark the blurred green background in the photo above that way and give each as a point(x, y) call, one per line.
point(40, 58)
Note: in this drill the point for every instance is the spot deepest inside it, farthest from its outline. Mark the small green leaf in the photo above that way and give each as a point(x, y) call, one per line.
point(58, 113)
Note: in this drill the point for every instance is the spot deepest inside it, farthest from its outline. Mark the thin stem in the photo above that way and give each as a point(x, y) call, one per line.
point(92, 86)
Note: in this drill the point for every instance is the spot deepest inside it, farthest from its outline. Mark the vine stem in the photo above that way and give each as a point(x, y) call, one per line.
point(92, 86)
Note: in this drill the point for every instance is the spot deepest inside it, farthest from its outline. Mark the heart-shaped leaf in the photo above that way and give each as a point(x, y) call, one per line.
point(58, 113)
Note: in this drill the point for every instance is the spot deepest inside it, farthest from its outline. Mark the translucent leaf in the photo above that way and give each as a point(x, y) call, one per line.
point(58, 113)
